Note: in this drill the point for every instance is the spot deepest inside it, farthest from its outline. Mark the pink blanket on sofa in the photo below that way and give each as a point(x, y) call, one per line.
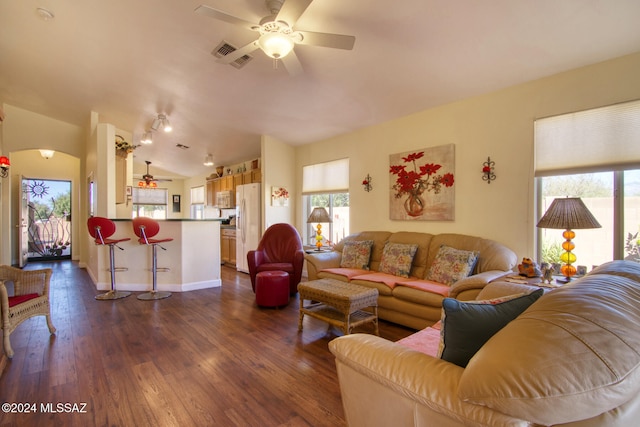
point(425, 341)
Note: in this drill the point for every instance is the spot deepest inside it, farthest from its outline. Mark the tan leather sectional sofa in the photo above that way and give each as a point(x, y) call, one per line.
point(407, 302)
point(571, 359)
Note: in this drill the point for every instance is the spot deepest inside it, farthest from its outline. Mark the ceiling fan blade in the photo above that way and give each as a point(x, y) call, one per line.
point(238, 53)
point(292, 10)
point(217, 14)
point(336, 41)
point(292, 64)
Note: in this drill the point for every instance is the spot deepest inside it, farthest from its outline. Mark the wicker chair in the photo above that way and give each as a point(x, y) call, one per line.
point(31, 298)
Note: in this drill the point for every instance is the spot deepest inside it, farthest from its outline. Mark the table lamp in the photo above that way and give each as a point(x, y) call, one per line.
point(569, 213)
point(318, 215)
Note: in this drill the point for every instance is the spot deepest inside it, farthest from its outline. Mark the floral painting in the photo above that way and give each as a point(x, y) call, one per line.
point(422, 184)
point(279, 196)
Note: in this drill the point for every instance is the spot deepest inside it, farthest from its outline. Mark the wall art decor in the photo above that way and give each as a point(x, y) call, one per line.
point(422, 184)
point(279, 196)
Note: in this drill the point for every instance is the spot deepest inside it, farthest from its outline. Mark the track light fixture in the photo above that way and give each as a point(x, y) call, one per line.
point(146, 138)
point(208, 161)
point(161, 122)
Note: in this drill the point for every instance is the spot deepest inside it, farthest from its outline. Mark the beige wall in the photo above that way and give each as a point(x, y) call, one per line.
point(499, 125)
point(278, 159)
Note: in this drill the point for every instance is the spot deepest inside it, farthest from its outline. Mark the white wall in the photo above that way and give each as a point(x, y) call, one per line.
point(499, 125)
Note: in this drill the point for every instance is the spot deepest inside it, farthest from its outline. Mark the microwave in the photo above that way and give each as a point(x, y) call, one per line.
point(224, 200)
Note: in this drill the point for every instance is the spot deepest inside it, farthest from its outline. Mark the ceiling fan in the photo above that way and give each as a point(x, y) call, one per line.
point(277, 36)
point(148, 180)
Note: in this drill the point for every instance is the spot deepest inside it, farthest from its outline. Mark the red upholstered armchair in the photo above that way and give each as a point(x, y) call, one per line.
point(279, 249)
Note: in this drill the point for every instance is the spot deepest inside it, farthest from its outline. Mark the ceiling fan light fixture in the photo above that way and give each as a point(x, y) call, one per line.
point(276, 45)
point(208, 161)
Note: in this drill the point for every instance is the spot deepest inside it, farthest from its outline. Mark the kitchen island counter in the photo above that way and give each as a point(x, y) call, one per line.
point(193, 257)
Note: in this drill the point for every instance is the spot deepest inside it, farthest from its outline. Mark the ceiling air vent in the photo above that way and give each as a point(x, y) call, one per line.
point(224, 49)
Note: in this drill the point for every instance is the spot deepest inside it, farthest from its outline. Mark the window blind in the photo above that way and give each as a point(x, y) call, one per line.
point(606, 138)
point(327, 177)
point(197, 195)
point(150, 196)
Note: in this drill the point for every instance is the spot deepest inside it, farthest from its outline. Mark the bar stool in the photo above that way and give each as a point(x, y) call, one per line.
point(101, 229)
point(145, 229)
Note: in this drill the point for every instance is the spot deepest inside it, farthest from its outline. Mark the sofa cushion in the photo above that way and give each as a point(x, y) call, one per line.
point(466, 326)
point(451, 265)
point(356, 254)
point(583, 337)
point(397, 258)
point(344, 274)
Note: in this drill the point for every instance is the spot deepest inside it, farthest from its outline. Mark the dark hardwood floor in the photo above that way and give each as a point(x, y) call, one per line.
point(201, 358)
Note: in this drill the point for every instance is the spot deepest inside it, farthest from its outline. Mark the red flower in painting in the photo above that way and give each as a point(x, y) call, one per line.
point(447, 179)
point(420, 179)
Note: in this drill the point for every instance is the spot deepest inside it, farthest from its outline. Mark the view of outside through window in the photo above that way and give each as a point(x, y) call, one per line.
point(595, 246)
point(49, 213)
point(337, 204)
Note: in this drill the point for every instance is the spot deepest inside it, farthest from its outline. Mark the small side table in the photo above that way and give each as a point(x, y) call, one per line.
point(338, 303)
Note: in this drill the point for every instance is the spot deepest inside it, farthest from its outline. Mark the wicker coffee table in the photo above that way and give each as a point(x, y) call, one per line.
point(338, 303)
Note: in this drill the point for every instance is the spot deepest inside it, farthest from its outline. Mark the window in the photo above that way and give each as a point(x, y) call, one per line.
point(594, 155)
point(197, 202)
point(150, 202)
point(327, 185)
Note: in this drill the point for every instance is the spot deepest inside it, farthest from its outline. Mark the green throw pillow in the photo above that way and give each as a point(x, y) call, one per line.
point(467, 325)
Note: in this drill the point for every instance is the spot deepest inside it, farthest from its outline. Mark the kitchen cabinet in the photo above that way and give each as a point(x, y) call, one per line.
point(121, 180)
point(228, 246)
point(229, 183)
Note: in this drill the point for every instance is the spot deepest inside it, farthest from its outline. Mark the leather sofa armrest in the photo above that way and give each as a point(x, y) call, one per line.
point(392, 376)
point(469, 287)
point(319, 261)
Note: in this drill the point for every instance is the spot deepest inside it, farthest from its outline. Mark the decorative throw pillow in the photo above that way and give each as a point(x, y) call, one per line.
point(397, 259)
point(356, 254)
point(466, 326)
point(451, 265)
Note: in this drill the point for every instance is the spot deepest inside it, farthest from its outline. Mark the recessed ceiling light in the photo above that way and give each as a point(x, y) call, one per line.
point(45, 14)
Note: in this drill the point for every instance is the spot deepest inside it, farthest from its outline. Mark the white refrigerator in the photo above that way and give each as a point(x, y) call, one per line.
point(247, 222)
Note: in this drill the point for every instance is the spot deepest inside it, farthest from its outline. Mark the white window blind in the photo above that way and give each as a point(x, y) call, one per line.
point(327, 177)
point(150, 196)
point(606, 138)
point(197, 195)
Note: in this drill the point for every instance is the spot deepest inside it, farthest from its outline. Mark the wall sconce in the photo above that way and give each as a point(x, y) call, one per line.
point(366, 183)
point(161, 122)
point(487, 170)
point(4, 166)
point(47, 154)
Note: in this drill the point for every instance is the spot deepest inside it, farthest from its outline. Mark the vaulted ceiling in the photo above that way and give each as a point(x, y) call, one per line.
point(130, 60)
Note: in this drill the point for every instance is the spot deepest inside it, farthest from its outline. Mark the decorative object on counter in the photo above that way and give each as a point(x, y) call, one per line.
point(279, 196)
point(208, 161)
point(161, 122)
point(487, 170)
point(318, 216)
point(429, 179)
point(4, 166)
point(529, 268)
point(219, 171)
point(254, 164)
point(123, 148)
point(569, 213)
point(228, 171)
point(366, 183)
point(47, 154)
point(547, 272)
